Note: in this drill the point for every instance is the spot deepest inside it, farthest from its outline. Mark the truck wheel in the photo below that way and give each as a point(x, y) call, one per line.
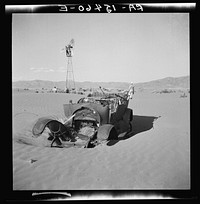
point(123, 126)
point(128, 115)
point(130, 128)
point(107, 132)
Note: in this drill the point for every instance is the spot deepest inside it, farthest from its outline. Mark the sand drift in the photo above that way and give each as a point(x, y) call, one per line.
point(155, 154)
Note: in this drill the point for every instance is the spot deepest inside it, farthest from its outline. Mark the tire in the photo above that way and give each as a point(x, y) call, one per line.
point(123, 126)
point(107, 132)
point(128, 115)
point(130, 128)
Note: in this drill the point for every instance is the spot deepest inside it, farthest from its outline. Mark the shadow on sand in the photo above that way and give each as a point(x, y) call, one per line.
point(139, 124)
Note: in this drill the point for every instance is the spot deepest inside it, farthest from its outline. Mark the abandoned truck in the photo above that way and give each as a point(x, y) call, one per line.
point(90, 121)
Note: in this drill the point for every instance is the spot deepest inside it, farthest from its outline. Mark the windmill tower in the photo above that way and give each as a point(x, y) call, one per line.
point(70, 83)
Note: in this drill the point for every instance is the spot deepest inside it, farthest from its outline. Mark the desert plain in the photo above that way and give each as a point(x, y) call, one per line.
point(156, 155)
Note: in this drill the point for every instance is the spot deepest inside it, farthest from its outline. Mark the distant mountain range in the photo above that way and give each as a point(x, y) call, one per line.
point(168, 82)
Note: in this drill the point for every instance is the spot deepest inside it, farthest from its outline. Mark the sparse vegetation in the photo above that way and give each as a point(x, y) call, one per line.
point(95, 94)
point(183, 95)
point(165, 91)
point(89, 95)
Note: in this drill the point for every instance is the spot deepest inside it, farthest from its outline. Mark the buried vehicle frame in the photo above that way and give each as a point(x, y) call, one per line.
point(90, 121)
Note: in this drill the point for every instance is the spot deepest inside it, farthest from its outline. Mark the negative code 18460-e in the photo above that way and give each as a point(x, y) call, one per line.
point(101, 8)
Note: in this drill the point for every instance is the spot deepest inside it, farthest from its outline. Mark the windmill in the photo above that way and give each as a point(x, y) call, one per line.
point(70, 83)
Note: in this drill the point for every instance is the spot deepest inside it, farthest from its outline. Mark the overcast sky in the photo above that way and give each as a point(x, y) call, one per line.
point(121, 47)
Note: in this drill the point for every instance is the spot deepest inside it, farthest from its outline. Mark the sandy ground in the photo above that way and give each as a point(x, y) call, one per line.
point(155, 156)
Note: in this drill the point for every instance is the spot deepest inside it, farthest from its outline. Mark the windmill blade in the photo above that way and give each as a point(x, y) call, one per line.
point(62, 50)
point(72, 42)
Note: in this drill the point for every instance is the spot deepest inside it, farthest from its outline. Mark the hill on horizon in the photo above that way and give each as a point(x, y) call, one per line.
point(167, 82)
